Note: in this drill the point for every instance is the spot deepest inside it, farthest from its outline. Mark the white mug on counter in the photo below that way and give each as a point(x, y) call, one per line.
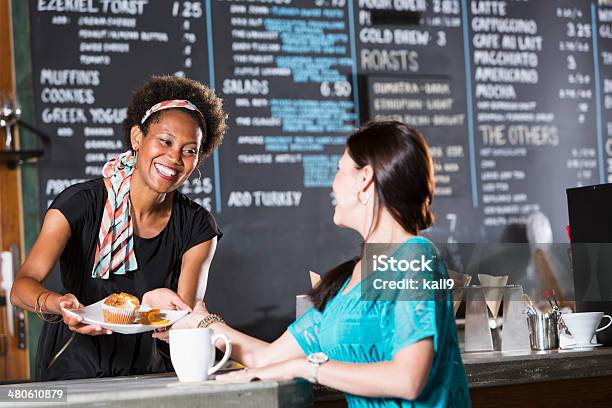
point(583, 326)
point(192, 352)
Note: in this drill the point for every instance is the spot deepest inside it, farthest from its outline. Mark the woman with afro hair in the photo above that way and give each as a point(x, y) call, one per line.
point(131, 231)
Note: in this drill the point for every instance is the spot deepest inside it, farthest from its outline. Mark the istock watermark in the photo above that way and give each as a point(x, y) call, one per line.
point(409, 271)
point(421, 270)
point(413, 284)
point(385, 263)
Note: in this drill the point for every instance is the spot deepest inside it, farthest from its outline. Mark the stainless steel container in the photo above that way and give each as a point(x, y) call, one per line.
point(543, 331)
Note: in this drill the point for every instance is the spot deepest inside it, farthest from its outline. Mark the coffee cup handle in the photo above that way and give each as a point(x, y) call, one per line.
point(226, 356)
point(607, 325)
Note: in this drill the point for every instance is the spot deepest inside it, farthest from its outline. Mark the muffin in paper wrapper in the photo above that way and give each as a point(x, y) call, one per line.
point(118, 315)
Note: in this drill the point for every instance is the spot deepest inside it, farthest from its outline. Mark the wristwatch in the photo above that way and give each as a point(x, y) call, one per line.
point(316, 360)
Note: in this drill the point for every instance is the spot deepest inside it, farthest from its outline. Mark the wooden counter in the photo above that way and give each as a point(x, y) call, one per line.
point(164, 391)
point(562, 378)
point(491, 369)
point(496, 379)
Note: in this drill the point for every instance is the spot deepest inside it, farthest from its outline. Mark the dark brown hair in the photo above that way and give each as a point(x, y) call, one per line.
point(403, 183)
point(163, 88)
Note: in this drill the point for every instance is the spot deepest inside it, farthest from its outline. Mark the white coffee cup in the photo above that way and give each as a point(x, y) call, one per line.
point(192, 352)
point(583, 326)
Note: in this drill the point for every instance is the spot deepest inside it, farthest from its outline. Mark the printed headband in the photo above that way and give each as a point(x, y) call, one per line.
point(170, 104)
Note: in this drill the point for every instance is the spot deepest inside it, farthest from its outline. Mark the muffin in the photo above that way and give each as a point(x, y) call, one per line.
point(120, 308)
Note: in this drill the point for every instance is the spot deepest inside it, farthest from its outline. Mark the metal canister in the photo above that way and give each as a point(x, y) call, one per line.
point(543, 331)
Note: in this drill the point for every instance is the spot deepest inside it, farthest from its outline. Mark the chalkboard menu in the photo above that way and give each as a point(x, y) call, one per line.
point(514, 97)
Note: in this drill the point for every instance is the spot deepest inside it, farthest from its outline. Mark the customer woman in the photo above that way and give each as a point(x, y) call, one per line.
point(129, 231)
point(398, 352)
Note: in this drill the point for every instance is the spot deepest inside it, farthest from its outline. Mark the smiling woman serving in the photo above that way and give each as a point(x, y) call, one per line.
point(129, 231)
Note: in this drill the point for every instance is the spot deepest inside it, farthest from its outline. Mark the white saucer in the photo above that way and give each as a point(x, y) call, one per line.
point(582, 346)
point(92, 314)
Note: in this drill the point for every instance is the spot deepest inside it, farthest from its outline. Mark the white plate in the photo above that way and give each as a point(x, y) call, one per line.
point(582, 346)
point(92, 314)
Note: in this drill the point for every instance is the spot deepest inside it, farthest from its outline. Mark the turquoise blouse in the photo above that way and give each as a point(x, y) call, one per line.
point(353, 329)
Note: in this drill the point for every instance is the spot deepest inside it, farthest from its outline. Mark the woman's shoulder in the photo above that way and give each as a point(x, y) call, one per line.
point(195, 220)
point(418, 244)
point(420, 239)
point(80, 202)
point(82, 191)
point(190, 206)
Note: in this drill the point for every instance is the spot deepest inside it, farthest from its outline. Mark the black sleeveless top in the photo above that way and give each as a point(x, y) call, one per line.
point(159, 265)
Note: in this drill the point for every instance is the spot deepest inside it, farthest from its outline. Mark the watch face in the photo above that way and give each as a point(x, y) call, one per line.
point(318, 358)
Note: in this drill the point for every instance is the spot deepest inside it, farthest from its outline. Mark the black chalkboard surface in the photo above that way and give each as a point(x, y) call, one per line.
point(514, 97)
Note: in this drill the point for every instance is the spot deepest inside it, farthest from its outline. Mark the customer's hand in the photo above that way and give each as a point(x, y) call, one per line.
point(69, 301)
point(285, 370)
point(164, 298)
point(190, 321)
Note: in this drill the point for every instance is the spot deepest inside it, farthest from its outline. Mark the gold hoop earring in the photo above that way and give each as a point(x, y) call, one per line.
point(135, 158)
point(199, 174)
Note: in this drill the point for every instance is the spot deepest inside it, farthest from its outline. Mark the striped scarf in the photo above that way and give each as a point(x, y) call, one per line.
point(115, 247)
